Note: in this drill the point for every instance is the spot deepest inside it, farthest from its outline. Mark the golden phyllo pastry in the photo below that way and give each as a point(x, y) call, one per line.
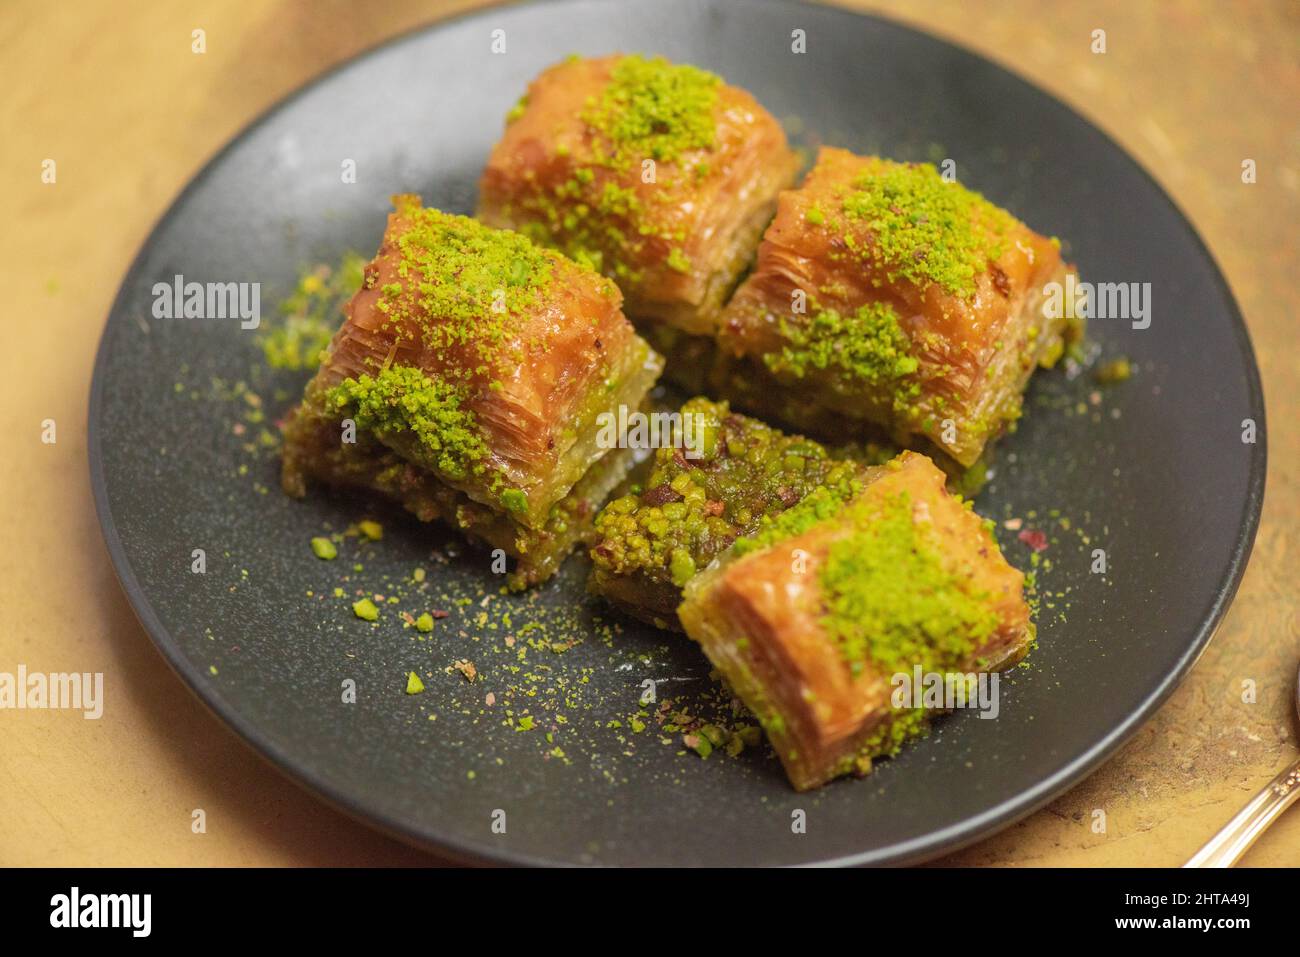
point(660, 176)
point(810, 619)
point(887, 296)
point(467, 382)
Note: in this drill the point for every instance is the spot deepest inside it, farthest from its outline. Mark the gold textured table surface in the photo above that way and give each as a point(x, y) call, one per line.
point(114, 94)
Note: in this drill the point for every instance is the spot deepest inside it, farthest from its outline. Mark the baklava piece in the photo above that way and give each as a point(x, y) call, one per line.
point(885, 296)
point(649, 544)
point(467, 382)
point(809, 619)
point(660, 176)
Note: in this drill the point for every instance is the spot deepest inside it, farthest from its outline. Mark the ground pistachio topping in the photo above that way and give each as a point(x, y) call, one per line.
point(868, 345)
point(464, 284)
point(518, 109)
point(654, 109)
point(402, 399)
point(650, 110)
point(890, 597)
point(925, 229)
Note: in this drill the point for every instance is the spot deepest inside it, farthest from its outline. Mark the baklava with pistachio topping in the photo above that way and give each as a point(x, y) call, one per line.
point(886, 296)
point(811, 617)
point(467, 382)
point(659, 175)
point(651, 542)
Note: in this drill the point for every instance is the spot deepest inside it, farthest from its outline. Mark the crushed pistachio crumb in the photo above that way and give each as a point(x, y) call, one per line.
point(466, 668)
point(820, 504)
point(464, 284)
point(893, 598)
point(403, 399)
point(324, 549)
point(868, 345)
point(657, 109)
point(699, 743)
point(518, 109)
point(924, 229)
point(514, 500)
point(650, 111)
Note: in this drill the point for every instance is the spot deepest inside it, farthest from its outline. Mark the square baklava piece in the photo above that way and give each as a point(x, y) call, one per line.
point(467, 382)
point(888, 297)
point(658, 175)
point(810, 618)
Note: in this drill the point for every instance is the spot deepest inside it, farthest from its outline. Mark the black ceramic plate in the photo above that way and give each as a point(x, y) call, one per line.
point(1153, 470)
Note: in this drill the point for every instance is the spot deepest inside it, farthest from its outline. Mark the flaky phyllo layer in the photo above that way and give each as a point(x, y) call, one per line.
point(467, 381)
point(659, 175)
point(810, 617)
point(886, 295)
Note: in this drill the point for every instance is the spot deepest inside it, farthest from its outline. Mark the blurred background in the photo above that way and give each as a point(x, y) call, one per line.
point(113, 93)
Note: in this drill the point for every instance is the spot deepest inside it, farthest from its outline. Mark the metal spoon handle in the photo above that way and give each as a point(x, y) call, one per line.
point(1226, 847)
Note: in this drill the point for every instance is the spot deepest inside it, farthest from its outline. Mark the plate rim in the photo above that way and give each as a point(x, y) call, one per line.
point(915, 850)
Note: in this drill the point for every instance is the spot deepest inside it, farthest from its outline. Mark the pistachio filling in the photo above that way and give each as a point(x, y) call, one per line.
point(692, 510)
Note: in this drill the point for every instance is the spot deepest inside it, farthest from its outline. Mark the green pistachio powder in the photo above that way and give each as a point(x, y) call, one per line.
point(650, 109)
point(924, 229)
point(868, 344)
point(891, 598)
point(402, 399)
point(464, 284)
